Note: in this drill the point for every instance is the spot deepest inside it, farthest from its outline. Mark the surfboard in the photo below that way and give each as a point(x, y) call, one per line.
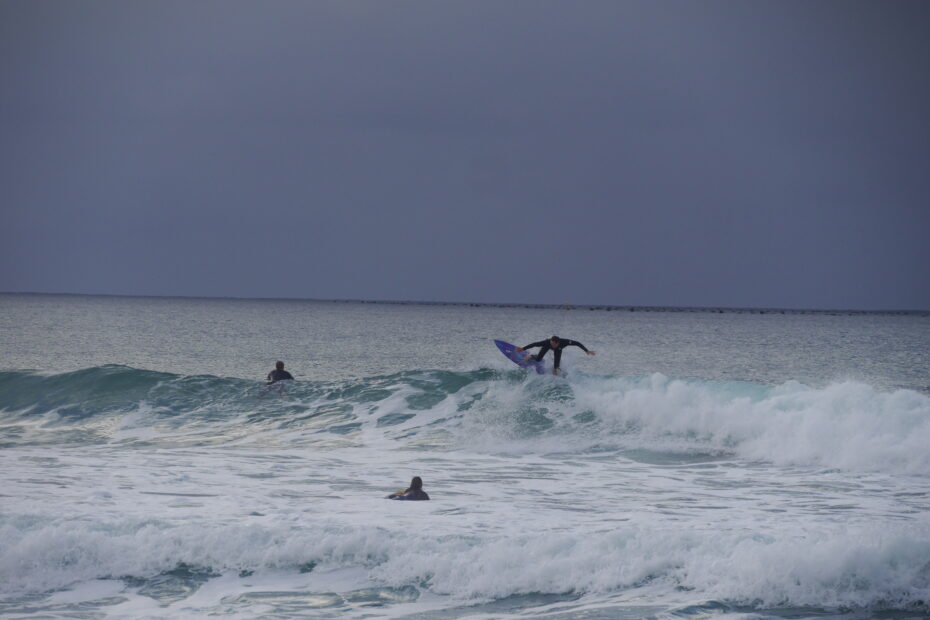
point(523, 360)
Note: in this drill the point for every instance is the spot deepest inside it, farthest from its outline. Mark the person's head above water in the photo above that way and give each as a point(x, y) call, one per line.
point(554, 341)
point(279, 365)
point(416, 483)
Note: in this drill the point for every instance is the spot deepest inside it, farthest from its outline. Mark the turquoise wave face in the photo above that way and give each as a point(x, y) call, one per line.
point(108, 403)
point(844, 425)
point(101, 404)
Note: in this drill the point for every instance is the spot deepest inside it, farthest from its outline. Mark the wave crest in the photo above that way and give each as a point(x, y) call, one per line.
point(843, 425)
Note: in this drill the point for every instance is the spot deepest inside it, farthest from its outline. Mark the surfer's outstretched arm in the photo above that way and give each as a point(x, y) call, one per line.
point(541, 343)
point(568, 343)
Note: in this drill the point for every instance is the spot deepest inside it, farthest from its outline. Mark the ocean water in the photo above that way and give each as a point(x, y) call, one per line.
point(701, 465)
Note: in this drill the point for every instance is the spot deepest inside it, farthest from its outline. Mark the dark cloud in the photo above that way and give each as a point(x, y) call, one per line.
point(680, 153)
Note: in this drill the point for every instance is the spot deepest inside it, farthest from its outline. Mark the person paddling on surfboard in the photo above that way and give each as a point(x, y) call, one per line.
point(279, 374)
point(414, 492)
point(556, 344)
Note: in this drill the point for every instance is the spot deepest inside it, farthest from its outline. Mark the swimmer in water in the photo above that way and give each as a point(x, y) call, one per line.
point(414, 493)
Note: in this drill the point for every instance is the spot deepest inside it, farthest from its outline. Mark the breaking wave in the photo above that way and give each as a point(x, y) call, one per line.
point(848, 425)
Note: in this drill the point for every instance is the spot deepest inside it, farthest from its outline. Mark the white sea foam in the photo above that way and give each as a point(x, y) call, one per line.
point(844, 425)
point(839, 566)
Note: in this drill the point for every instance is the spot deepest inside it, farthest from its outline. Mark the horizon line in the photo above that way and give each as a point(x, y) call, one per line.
point(498, 304)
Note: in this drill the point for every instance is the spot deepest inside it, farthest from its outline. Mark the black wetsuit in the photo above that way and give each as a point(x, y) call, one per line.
point(557, 352)
point(410, 495)
point(279, 375)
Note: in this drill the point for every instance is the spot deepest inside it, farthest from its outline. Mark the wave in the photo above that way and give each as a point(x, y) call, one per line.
point(844, 425)
point(840, 567)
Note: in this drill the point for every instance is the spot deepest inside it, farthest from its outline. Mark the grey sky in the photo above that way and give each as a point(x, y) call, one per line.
point(644, 153)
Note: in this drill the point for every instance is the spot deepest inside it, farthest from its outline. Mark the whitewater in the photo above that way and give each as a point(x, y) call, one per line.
point(724, 464)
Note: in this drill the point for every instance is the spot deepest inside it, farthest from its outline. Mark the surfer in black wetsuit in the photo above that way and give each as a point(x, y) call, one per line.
point(556, 344)
point(414, 493)
point(279, 374)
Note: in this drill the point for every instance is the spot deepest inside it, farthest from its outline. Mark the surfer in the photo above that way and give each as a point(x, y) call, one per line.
point(279, 374)
point(414, 493)
point(556, 344)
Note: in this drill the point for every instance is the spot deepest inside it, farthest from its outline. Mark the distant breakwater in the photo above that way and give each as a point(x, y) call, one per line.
point(612, 308)
point(562, 307)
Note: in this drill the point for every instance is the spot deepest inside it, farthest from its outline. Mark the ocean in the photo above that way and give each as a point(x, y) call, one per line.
point(706, 463)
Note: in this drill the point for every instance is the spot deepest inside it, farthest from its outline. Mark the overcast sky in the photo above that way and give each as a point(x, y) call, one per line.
point(685, 153)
